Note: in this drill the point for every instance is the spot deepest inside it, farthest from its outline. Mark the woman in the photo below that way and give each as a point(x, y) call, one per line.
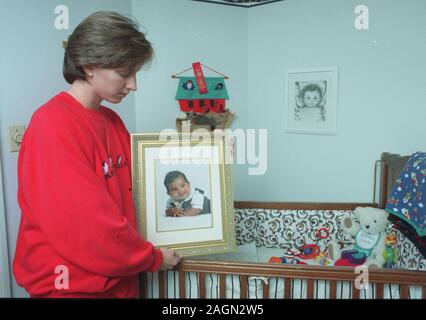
point(78, 234)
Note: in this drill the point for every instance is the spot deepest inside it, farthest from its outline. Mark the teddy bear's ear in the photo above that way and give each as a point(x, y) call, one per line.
point(384, 213)
point(357, 212)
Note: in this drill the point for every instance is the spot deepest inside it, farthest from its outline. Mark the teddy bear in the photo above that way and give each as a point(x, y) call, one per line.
point(367, 226)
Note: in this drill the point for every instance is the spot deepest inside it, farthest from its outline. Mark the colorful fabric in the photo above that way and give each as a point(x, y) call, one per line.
point(201, 82)
point(410, 235)
point(408, 196)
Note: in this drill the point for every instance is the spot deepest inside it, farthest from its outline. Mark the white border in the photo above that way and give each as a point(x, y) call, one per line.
point(168, 238)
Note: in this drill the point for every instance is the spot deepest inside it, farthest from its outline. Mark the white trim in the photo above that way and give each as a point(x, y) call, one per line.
point(5, 291)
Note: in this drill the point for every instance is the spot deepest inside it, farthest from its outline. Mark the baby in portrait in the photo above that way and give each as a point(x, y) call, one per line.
point(310, 104)
point(184, 201)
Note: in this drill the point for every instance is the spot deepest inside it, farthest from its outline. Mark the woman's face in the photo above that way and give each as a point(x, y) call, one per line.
point(179, 189)
point(112, 85)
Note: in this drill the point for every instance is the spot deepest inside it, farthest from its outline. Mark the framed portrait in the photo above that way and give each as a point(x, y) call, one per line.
point(311, 100)
point(183, 192)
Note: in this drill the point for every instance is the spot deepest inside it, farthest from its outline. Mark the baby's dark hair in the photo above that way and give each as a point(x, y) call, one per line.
point(171, 176)
point(311, 87)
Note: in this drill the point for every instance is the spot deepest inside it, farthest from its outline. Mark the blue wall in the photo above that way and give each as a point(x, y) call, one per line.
point(188, 31)
point(215, 35)
point(381, 97)
point(381, 81)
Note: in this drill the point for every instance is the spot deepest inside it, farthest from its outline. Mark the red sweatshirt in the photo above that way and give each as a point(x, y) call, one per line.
point(78, 218)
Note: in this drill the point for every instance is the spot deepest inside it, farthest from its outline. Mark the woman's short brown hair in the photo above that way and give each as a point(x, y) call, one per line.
point(106, 40)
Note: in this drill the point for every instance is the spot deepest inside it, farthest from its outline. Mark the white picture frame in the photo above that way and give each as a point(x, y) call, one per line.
point(311, 101)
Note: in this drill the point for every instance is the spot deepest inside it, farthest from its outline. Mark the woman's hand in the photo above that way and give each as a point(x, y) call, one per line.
point(170, 259)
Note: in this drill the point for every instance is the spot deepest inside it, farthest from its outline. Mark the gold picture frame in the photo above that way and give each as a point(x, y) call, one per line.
point(208, 173)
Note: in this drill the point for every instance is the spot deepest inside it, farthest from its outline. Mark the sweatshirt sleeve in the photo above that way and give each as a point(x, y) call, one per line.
point(61, 194)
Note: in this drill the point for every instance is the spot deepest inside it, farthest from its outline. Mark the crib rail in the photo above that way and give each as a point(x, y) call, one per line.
point(383, 283)
point(377, 278)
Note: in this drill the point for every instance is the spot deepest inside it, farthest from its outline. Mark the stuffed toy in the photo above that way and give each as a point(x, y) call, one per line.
point(390, 253)
point(367, 226)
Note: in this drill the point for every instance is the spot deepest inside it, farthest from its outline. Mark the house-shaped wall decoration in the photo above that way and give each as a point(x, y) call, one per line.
point(191, 100)
point(203, 100)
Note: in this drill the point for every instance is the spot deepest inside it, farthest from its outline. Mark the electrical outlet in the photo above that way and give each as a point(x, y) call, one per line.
point(16, 133)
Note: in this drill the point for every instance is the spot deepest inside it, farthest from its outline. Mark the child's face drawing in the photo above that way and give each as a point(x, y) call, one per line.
point(179, 189)
point(311, 98)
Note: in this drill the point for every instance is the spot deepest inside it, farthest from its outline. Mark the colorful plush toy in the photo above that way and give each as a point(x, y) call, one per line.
point(275, 259)
point(323, 259)
point(390, 254)
point(369, 234)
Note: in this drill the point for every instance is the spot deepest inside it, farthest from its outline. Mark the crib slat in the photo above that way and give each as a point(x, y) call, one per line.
point(310, 285)
point(287, 288)
point(266, 290)
point(222, 286)
point(181, 285)
point(202, 285)
point(243, 287)
point(162, 284)
point(424, 293)
point(333, 289)
point(143, 285)
point(355, 292)
point(404, 291)
point(379, 290)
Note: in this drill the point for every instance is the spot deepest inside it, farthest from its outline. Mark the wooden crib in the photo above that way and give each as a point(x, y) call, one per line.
point(229, 279)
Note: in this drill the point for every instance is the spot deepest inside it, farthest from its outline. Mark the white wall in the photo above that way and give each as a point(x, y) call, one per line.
point(188, 31)
point(382, 93)
point(31, 57)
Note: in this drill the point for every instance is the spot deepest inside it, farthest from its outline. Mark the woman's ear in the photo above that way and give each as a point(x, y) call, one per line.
point(88, 71)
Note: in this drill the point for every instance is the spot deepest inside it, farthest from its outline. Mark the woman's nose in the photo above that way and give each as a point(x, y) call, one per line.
point(131, 83)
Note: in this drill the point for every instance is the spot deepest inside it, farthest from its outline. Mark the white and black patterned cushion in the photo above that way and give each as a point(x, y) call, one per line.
point(291, 229)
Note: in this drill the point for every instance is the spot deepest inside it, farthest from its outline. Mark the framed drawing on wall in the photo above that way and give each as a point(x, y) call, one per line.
point(183, 193)
point(311, 101)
